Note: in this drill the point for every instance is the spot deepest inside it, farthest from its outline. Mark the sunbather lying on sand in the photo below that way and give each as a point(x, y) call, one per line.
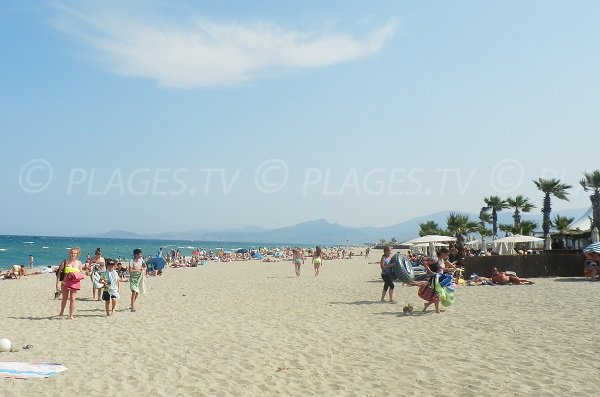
point(477, 280)
point(502, 278)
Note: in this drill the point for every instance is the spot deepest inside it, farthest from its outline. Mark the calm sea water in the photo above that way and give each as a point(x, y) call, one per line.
point(51, 250)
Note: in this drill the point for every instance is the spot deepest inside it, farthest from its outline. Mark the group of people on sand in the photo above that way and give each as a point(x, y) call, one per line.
point(104, 277)
point(298, 258)
point(435, 267)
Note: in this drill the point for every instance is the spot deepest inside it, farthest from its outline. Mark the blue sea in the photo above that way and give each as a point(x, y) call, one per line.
point(52, 250)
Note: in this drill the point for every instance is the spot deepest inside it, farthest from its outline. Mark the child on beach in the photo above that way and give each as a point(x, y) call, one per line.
point(386, 266)
point(137, 268)
point(317, 260)
point(96, 265)
point(435, 267)
point(298, 259)
point(111, 288)
point(98, 271)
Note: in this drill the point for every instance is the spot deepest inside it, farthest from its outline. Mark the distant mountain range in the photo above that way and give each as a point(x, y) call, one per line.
point(323, 232)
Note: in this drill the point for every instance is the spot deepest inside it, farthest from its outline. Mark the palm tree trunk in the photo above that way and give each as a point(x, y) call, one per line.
point(546, 211)
point(460, 248)
point(595, 199)
point(517, 218)
point(495, 222)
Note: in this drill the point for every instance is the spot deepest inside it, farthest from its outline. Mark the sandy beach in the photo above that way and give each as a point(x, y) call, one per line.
point(254, 329)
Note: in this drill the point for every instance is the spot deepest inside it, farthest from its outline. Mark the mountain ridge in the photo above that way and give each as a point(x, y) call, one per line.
point(321, 231)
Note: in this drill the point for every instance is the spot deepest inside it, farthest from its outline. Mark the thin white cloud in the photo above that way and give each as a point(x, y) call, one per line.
point(199, 52)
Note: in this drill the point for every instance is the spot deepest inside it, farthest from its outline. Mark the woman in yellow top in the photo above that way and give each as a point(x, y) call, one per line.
point(73, 274)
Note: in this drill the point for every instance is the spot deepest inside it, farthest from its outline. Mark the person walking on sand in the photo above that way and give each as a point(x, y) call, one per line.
point(111, 295)
point(386, 266)
point(97, 265)
point(73, 274)
point(298, 260)
point(137, 268)
point(317, 260)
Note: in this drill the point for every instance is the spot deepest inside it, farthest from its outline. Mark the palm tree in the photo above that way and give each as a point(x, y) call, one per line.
point(459, 226)
point(591, 181)
point(484, 217)
point(526, 228)
point(551, 187)
point(429, 227)
point(562, 224)
point(520, 204)
point(495, 204)
point(507, 228)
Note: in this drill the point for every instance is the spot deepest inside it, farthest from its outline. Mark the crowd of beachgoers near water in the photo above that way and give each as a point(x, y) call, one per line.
point(200, 256)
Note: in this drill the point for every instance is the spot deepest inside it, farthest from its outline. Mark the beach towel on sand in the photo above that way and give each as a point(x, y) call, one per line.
point(21, 370)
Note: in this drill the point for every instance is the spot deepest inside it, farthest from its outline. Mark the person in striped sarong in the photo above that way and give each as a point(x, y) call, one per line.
point(137, 268)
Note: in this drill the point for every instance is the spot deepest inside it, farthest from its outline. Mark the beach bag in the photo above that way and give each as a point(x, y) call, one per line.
point(61, 273)
point(97, 280)
point(78, 276)
point(428, 294)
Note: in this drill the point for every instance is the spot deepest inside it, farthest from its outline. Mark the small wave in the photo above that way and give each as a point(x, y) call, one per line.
point(45, 247)
point(2, 249)
point(27, 242)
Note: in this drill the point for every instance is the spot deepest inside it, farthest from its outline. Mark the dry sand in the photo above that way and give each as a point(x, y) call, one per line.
point(254, 329)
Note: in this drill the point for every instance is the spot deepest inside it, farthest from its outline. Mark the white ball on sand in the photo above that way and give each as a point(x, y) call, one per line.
point(5, 345)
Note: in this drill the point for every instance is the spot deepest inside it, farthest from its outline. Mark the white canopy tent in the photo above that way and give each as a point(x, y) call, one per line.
point(430, 239)
point(517, 238)
point(584, 223)
point(506, 245)
point(421, 248)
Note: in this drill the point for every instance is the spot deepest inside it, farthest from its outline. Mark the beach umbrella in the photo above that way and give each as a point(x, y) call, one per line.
point(242, 251)
point(594, 247)
point(595, 235)
point(419, 247)
point(432, 238)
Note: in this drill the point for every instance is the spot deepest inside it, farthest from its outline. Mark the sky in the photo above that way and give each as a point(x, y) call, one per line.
point(155, 116)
